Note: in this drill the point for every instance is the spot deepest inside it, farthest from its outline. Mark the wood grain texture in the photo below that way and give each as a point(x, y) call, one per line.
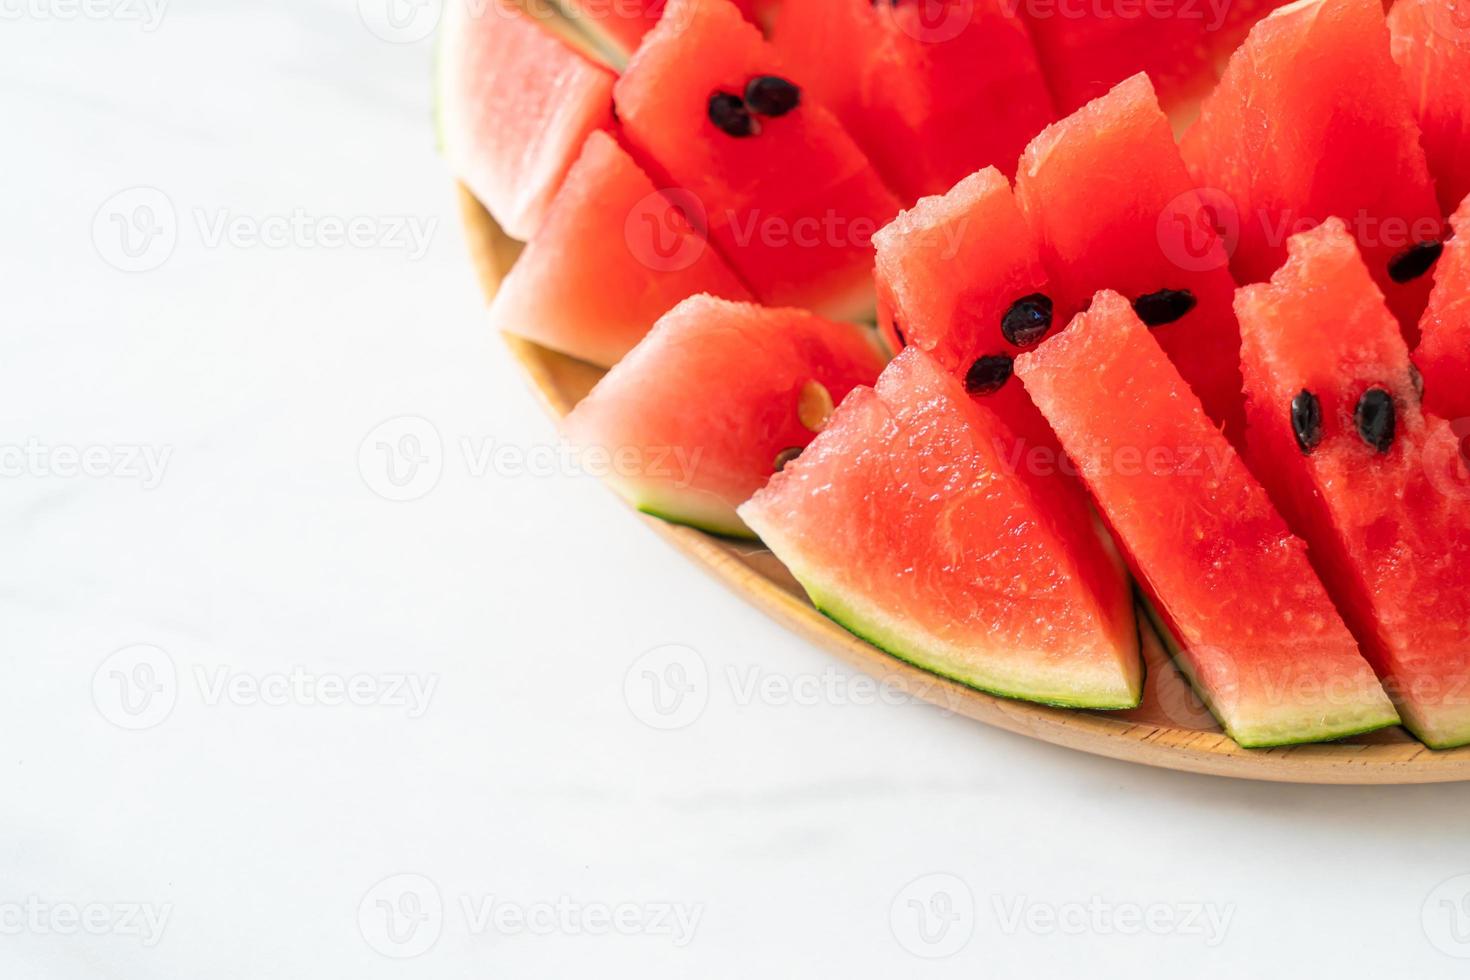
point(1170, 729)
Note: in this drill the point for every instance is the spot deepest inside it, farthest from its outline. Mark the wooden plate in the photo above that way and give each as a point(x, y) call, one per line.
point(1170, 729)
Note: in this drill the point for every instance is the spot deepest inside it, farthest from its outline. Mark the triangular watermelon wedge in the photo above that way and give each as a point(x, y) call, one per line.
point(1338, 437)
point(1252, 625)
point(611, 257)
point(1443, 354)
point(514, 104)
point(906, 522)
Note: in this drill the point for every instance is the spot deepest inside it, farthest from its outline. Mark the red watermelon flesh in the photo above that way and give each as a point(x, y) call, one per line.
point(793, 206)
point(612, 256)
point(1257, 634)
point(1392, 546)
point(618, 26)
point(515, 103)
point(931, 90)
point(1443, 355)
point(905, 523)
point(1431, 43)
point(1112, 207)
point(694, 419)
point(1086, 49)
point(1311, 120)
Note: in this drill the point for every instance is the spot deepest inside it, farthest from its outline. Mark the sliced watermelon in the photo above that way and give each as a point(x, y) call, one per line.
point(792, 203)
point(1443, 355)
point(618, 26)
point(714, 400)
point(1431, 43)
point(515, 104)
point(1087, 49)
point(959, 275)
point(612, 256)
point(931, 90)
point(906, 524)
point(1337, 436)
point(1311, 120)
point(1113, 207)
point(1256, 632)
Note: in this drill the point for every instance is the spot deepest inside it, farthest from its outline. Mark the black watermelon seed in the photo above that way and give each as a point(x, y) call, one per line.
point(988, 374)
point(1164, 306)
point(1414, 261)
point(1375, 420)
point(771, 95)
point(785, 456)
point(1416, 379)
point(1306, 421)
point(729, 114)
point(1027, 320)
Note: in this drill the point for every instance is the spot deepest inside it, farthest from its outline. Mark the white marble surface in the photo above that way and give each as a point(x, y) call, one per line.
point(229, 539)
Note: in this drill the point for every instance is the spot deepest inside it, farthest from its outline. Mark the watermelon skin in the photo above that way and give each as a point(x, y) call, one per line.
point(1311, 120)
point(905, 524)
point(1392, 547)
point(514, 106)
point(702, 407)
point(931, 91)
point(1431, 43)
point(1257, 634)
point(792, 209)
point(1443, 354)
point(1112, 206)
point(612, 256)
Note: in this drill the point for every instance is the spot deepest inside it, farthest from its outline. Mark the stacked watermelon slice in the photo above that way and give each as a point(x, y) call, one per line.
point(985, 379)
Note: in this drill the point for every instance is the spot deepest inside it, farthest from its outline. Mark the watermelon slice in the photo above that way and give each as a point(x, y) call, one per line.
point(792, 203)
point(515, 103)
point(1338, 438)
point(714, 400)
point(618, 26)
point(612, 256)
point(905, 523)
point(931, 90)
point(1256, 632)
point(1443, 355)
point(1311, 120)
point(1112, 207)
point(1431, 43)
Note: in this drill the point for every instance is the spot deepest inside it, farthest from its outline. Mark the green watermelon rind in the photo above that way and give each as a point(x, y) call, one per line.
point(1244, 739)
point(727, 531)
point(844, 615)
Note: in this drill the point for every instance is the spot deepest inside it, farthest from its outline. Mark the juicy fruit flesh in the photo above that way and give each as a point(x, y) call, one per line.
point(1260, 637)
point(904, 523)
point(515, 105)
point(1311, 120)
point(1112, 207)
point(1443, 355)
point(791, 207)
point(1393, 548)
point(727, 382)
point(1431, 43)
point(608, 225)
